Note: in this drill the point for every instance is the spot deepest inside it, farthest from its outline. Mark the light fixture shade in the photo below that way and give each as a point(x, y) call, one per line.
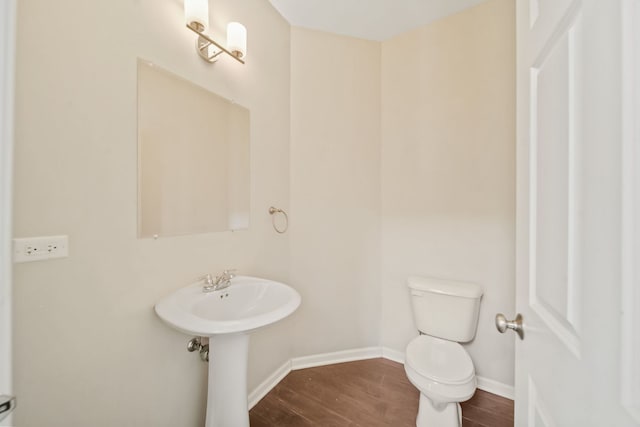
point(197, 11)
point(237, 39)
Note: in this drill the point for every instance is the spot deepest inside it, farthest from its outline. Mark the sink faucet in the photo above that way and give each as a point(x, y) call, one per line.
point(219, 282)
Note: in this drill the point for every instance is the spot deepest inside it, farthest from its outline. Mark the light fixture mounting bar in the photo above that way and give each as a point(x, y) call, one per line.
point(202, 46)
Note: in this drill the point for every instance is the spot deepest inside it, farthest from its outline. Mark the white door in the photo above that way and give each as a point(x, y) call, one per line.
point(579, 361)
point(7, 27)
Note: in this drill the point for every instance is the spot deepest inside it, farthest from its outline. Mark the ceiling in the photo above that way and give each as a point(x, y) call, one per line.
point(367, 19)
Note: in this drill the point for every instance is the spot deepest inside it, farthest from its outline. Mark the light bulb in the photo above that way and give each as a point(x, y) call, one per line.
point(237, 39)
point(197, 11)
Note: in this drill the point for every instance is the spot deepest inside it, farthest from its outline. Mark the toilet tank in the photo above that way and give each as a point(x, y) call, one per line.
point(445, 309)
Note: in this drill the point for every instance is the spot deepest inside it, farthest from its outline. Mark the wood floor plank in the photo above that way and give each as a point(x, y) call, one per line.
point(367, 393)
point(485, 417)
point(495, 405)
point(295, 401)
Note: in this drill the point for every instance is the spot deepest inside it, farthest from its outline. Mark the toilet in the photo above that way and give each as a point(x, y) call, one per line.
point(446, 314)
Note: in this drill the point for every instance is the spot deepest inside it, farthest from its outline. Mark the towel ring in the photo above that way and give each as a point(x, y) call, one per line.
point(272, 212)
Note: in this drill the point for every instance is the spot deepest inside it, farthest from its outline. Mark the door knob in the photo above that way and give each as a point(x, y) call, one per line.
point(502, 324)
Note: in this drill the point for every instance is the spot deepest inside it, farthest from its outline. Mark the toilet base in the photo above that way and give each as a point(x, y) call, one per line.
point(432, 414)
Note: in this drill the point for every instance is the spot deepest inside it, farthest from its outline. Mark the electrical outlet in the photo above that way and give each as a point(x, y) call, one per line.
point(40, 248)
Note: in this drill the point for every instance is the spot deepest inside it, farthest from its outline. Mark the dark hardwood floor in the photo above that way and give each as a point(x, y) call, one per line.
point(367, 393)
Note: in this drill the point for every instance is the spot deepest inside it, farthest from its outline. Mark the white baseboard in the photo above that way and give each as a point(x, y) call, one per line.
point(335, 357)
point(393, 355)
point(496, 387)
point(268, 384)
point(323, 359)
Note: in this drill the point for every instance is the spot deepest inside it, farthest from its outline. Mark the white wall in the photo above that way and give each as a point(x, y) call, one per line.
point(335, 190)
point(448, 171)
point(88, 347)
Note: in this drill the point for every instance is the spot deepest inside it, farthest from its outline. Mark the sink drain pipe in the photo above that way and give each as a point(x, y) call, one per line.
point(195, 344)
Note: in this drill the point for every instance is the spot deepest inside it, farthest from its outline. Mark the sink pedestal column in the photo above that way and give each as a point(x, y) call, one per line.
point(227, 404)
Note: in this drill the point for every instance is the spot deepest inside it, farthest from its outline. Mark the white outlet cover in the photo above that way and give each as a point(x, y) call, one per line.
point(27, 249)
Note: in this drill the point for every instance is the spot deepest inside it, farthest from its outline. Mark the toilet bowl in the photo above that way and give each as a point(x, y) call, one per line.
point(444, 373)
point(446, 313)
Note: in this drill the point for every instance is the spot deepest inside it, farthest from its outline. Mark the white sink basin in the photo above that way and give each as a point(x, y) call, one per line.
point(247, 304)
point(226, 317)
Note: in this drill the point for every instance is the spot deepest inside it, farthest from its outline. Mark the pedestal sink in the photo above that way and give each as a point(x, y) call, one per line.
point(227, 317)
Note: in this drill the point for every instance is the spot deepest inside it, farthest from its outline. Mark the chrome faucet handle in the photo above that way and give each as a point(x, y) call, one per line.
point(207, 279)
point(229, 274)
point(209, 284)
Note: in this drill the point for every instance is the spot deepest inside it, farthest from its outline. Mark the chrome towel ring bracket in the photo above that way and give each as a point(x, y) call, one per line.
point(273, 211)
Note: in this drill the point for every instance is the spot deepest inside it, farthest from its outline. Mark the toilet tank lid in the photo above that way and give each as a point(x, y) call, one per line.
point(444, 286)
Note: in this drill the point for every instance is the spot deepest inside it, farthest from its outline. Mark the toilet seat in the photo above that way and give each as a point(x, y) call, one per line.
point(440, 369)
point(440, 360)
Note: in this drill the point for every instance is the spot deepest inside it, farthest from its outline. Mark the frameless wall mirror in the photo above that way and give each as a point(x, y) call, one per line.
point(193, 157)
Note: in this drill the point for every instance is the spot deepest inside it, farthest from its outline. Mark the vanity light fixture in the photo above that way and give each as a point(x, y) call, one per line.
point(196, 14)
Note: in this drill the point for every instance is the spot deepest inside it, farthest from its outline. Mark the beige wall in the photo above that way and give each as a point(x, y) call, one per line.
point(429, 192)
point(89, 350)
point(448, 171)
point(335, 190)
